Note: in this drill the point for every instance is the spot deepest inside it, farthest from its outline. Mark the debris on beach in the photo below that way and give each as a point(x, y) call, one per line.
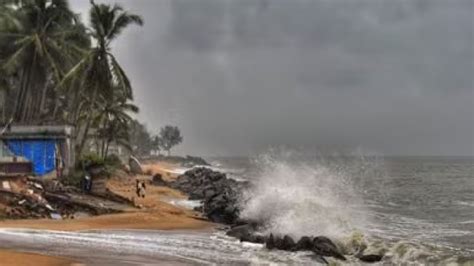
point(23, 197)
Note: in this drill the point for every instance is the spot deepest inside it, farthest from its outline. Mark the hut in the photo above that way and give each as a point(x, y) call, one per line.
point(47, 149)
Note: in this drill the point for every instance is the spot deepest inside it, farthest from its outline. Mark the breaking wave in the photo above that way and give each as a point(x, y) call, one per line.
point(304, 197)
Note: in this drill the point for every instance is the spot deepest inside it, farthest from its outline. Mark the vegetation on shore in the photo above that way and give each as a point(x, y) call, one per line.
point(56, 69)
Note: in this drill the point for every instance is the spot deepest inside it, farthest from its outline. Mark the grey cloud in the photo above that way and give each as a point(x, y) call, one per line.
point(394, 76)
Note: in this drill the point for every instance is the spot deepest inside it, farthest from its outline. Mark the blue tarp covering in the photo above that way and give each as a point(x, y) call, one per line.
point(40, 152)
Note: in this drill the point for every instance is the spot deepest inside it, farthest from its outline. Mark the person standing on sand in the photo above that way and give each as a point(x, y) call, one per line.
point(140, 189)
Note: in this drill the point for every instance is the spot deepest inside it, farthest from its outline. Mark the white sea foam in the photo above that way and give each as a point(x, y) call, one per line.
point(300, 198)
point(187, 204)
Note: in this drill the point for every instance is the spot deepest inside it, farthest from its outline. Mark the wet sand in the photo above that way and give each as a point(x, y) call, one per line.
point(138, 220)
point(26, 259)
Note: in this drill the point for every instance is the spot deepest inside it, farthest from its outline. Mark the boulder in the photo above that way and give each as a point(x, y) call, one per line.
point(305, 243)
point(278, 242)
point(218, 193)
point(370, 258)
point(270, 242)
point(158, 180)
point(325, 247)
point(288, 243)
point(241, 230)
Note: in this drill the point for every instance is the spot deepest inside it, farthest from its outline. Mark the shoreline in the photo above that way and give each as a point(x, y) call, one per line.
point(154, 213)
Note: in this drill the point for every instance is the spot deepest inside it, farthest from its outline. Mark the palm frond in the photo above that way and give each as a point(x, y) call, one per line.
point(123, 20)
point(77, 70)
point(14, 60)
point(121, 78)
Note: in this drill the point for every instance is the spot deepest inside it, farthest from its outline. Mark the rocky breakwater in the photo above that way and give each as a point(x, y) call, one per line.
point(220, 198)
point(219, 194)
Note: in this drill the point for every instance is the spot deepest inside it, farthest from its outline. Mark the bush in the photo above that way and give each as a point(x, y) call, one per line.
point(74, 179)
point(113, 160)
point(88, 160)
point(90, 163)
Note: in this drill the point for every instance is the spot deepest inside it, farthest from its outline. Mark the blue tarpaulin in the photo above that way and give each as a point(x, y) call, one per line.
point(41, 153)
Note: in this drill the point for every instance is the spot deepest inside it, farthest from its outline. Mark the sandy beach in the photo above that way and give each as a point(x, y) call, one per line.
point(26, 259)
point(153, 213)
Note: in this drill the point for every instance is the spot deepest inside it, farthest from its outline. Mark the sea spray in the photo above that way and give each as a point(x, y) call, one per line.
point(306, 197)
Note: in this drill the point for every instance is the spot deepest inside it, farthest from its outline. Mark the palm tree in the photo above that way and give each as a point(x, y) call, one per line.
point(113, 123)
point(43, 37)
point(101, 76)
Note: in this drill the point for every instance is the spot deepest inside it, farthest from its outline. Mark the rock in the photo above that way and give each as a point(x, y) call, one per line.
point(240, 231)
point(288, 243)
point(135, 166)
point(370, 258)
point(208, 193)
point(158, 180)
point(278, 242)
point(325, 247)
point(260, 239)
point(270, 242)
point(249, 238)
point(219, 194)
point(305, 243)
point(245, 233)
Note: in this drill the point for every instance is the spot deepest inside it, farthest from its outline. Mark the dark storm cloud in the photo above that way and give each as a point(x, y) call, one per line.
point(392, 76)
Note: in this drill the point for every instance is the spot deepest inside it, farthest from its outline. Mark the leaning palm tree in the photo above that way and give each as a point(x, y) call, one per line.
point(101, 76)
point(42, 37)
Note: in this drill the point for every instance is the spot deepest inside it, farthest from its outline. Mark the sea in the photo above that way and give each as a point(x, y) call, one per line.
point(414, 210)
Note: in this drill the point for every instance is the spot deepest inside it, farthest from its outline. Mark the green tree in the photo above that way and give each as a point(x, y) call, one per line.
point(170, 136)
point(113, 124)
point(140, 139)
point(40, 40)
point(100, 75)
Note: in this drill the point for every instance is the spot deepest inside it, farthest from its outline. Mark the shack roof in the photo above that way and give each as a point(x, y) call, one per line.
point(37, 132)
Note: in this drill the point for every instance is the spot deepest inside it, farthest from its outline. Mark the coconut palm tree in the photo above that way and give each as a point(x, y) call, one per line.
point(101, 76)
point(43, 37)
point(113, 123)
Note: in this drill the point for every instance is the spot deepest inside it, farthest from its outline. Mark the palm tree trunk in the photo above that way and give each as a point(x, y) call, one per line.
point(102, 149)
point(88, 124)
point(84, 136)
point(21, 96)
point(42, 100)
point(74, 104)
point(107, 148)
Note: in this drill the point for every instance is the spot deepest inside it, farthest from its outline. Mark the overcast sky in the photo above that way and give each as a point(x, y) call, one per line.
point(388, 76)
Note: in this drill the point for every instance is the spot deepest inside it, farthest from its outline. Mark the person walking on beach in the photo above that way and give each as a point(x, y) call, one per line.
point(140, 189)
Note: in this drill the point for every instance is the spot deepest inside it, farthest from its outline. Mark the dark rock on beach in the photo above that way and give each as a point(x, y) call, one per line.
point(321, 246)
point(305, 243)
point(246, 233)
point(370, 258)
point(325, 247)
point(158, 180)
point(220, 196)
point(240, 230)
point(288, 243)
point(218, 193)
point(269, 242)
